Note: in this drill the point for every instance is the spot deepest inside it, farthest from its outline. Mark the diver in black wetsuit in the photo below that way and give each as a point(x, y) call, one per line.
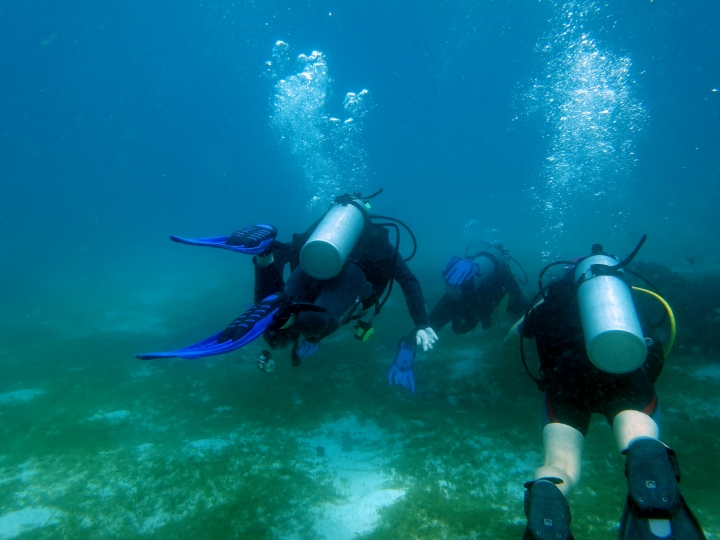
point(595, 358)
point(372, 264)
point(342, 264)
point(480, 288)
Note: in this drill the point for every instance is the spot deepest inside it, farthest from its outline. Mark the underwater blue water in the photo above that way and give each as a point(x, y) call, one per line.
point(547, 125)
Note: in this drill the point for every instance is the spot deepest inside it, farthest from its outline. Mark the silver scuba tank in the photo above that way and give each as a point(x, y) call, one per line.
point(330, 244)
point(488, 261)
point(613, 337)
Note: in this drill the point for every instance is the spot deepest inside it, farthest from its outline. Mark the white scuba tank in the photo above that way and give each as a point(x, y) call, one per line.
point(330, 244)
point(488, 261)
point(613, 337)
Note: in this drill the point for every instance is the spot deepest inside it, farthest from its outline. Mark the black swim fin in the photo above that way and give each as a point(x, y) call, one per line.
point(682, 525)
point(655, 509)
point(547, 511)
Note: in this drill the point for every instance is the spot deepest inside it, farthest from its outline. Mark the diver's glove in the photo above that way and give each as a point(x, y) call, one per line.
point(255, 239)
point(401, 372)
point(426, 337)
point(457, 271)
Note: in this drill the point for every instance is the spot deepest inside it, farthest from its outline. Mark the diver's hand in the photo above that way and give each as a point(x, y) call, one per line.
point(255, 237)
point(426, 338)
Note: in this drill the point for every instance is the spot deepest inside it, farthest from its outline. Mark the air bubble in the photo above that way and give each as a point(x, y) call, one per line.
point(328, 149)
point(586, 96)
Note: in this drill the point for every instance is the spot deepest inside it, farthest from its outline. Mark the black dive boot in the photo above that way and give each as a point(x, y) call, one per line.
point(655, 509)
point(547, 511)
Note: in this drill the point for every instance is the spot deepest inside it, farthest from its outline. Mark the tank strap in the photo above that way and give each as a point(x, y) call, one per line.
point(602, 270)
point(606, 270)
point(344, 200)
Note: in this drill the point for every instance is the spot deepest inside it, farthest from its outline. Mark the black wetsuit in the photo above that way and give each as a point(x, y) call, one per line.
point(373, 262)
point(574, 387)
point(477, 305)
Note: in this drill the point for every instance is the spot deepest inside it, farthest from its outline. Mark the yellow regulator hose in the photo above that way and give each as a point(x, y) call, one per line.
point(670, 314)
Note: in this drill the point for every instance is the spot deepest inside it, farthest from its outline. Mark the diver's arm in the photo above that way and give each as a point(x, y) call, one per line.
point(413, 293)
point(512, 338)
point(443, 312)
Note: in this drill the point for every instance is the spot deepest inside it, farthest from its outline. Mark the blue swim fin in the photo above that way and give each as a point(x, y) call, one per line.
point(257, 238)
point(246, 328)
point(206, 347)
point(457, 271)
point(401, 372)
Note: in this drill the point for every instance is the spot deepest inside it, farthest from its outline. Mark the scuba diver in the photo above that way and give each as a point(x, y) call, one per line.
point(480, 288)
point(597, 357)
point(339, 269)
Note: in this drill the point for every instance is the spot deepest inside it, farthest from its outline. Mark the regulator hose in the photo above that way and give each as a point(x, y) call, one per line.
point(668, 309)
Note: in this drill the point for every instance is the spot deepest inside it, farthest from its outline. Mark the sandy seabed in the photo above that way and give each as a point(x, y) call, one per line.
point(97, 444)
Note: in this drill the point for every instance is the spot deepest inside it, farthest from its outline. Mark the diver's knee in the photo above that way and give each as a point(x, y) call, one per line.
point(280, 339)
point(461, 325)
point(314, 325)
